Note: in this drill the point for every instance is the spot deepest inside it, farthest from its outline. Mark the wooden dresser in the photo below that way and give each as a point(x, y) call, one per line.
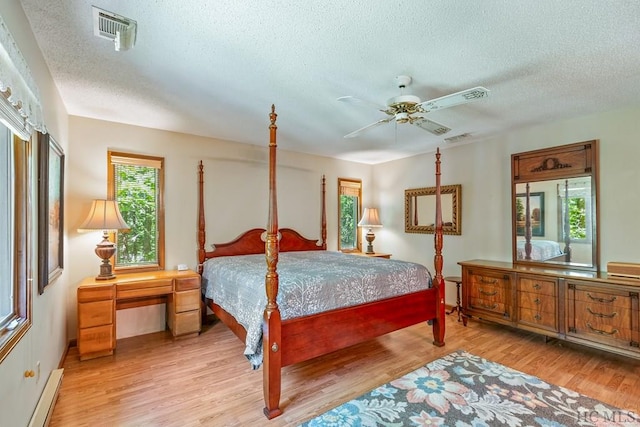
point(589, 308)
point(98, 301)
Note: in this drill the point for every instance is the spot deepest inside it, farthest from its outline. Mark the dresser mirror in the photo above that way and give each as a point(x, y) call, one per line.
point(554, 208)
point(420, 209)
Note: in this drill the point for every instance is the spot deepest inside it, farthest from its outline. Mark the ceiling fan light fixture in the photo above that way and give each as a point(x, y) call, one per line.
point(399, 100)
point(402, 117)
point(410, 109)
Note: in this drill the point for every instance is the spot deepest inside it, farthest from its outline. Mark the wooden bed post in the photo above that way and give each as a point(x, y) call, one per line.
point(272, 327)
point(527, 224)
point(323, 225)
point(201, 224)
point(566, 225)
point(438, 323)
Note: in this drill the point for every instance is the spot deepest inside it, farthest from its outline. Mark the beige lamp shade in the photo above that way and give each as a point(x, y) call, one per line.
point(104, 215)
point(370, 218)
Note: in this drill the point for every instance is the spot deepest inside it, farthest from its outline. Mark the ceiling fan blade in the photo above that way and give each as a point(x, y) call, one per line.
point(430, 126)
point(454, 99)
point(372, 125)
point(358, 101)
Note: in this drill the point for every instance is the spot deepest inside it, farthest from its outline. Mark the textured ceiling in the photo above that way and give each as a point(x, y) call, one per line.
point(213, 68)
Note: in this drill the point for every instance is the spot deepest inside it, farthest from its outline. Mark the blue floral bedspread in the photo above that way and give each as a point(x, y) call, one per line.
point(309, 282)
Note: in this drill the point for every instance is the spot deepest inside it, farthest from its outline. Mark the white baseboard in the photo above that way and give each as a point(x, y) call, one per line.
point(44, 408)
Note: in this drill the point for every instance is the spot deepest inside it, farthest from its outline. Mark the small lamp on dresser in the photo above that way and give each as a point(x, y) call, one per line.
point(104, 215)
point(370, 219)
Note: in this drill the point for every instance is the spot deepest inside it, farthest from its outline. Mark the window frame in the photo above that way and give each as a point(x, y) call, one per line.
point(350, 183)
point(119, 157)
point(16, 325)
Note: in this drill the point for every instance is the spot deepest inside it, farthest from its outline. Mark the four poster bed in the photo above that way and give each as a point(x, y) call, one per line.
point(544, 250)
point(409, 294)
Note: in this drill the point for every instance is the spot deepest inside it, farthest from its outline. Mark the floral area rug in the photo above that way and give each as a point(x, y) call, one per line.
point(463, 390)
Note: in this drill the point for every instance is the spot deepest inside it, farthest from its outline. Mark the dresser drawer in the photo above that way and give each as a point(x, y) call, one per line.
point(497, 307)
point(537, 302)
point(541, 286)
point(493, 293)
point(488, 279)
point(488, 292)
point(605, 299)
point(607, 316)
point(618, 329)
point(547, 320)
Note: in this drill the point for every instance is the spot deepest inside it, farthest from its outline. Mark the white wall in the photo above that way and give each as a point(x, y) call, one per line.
point(236, 185)
point(235, 174)
point(46, 340)
point(483, 168)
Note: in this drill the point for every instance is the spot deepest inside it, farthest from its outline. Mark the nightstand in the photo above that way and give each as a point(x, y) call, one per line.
point(375, 255)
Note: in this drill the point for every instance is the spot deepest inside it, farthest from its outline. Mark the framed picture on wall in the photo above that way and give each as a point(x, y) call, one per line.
point(50, 210)
point(536, 209)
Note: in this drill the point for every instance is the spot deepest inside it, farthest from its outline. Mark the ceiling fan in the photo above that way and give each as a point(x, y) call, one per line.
point(410, 109)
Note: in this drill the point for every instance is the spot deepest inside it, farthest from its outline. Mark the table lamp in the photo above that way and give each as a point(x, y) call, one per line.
point(104, 215)
point(370, 219)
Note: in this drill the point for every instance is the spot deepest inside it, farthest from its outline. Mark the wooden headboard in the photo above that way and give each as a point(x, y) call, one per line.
point(253, 241)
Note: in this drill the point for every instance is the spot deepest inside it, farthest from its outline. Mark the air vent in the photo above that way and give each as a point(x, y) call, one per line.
point(457, 138)
point(110, 26)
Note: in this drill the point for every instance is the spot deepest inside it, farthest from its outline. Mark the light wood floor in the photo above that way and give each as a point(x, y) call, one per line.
point(205, 380)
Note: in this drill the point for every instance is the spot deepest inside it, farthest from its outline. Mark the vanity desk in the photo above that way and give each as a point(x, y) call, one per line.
point(589, 308)
point(98, 301)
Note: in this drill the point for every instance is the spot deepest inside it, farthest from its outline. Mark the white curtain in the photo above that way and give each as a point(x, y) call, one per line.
point(20, 106)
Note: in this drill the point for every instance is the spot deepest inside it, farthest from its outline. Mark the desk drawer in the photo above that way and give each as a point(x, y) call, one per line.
point(95, 313)
point(187, 300)
point(186, 283)
point(96, 293)
point(144, 289)
point(185, 323)
point(96, 340)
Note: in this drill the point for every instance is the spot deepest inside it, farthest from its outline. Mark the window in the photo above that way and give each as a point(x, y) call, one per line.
point(15, 288)
point(574, 197)
point(137, 183)
point(349, 211)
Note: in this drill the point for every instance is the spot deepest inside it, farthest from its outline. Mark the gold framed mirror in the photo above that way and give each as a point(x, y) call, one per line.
point(420, 209)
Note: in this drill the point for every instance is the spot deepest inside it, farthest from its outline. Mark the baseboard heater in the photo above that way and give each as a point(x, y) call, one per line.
point(44, 408)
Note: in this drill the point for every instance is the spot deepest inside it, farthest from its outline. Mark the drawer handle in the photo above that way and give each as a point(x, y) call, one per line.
point(536, 286)
point(608, 316)
point(600, 331)
point(537, 300)
point(537, 317)
point(489, 307)
point(489, 294)
point(490, 282)
point(601, 299)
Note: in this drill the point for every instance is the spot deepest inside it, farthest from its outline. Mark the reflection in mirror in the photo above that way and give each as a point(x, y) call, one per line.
point(560, 221)
point(554, 209)
point(420, 209)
